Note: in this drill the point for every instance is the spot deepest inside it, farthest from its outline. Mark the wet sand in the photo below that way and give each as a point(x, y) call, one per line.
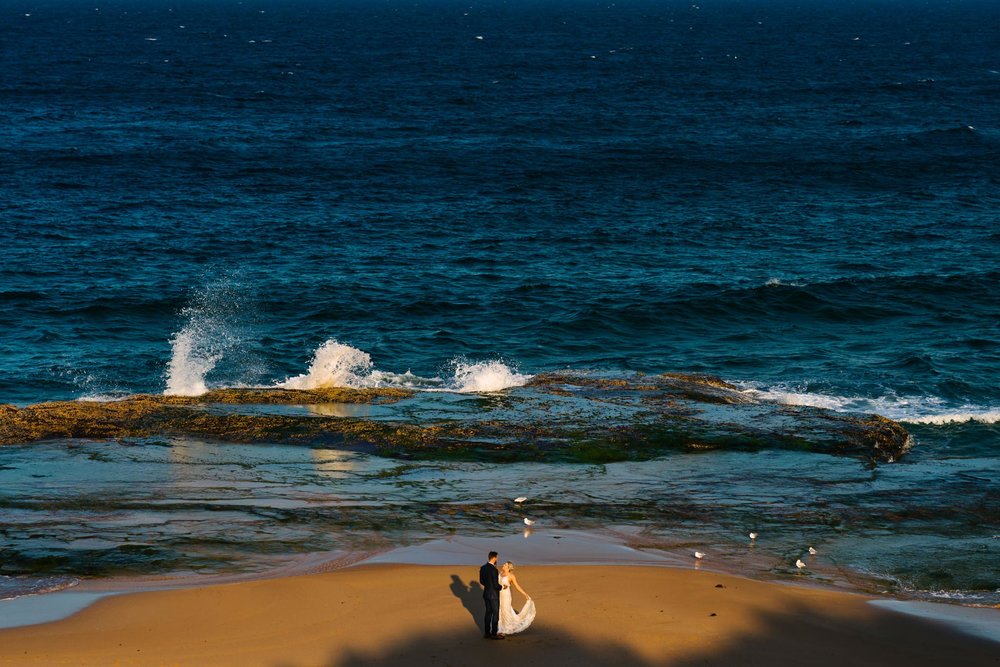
point(431, 614)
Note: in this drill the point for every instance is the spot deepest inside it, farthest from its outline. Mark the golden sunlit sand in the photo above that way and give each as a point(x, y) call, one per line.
point(430, 615)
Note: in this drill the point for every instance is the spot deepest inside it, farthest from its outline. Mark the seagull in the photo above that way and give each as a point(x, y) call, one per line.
point(812, 551)
point(753, 536)
point(699, 555)
point(479, 36)
point(529, 522)
point(799, 564)
point(520, 499)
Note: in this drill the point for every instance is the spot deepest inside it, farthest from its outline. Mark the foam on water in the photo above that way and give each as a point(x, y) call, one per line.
point(984, 416)
point(102, 398)
point(778, 282)
point(16, 587)
point(486, 376)
point(910, 409)
point(889, 405)
point(336, 364)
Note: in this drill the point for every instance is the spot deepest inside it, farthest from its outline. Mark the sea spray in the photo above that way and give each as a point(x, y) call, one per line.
point(981, 415)
point(334, 365)
point(211, 331)
point(485, 376)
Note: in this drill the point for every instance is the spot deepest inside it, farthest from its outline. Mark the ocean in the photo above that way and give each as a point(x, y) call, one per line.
point(797, 197)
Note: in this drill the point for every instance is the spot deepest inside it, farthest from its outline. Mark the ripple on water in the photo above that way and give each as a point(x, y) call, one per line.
point(210, 507)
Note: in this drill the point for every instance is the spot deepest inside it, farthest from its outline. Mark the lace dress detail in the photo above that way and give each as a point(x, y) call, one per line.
point(512, 622)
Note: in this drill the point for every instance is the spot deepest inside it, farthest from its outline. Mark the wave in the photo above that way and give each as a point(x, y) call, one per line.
point(335, 364)
point(211, 332)
point(931, 410)
point(207, 336)
point(17, 587)
point(486, 376)
point(986, 416)
point(840, 300)
point(778, 282)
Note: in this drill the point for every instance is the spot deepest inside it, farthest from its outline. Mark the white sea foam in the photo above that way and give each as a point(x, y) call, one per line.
point(190, 362)
point(405, 380)
point(982, 416)
point(336, 364)
point(910, 409)
point(778, 282)
point(486, 376)
point(206, 337)
point(102, 398)
point(788, 396)
point(12, 588)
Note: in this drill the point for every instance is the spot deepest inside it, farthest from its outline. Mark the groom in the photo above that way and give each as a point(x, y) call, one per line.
point(489, 577)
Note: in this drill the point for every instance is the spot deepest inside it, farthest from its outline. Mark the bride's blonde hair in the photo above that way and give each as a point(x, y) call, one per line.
point(510, 565)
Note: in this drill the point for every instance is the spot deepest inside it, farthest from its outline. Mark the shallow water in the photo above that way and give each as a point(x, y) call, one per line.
point(915, 528)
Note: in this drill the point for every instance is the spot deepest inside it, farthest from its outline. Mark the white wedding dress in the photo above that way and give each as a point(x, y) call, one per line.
point(512, 622)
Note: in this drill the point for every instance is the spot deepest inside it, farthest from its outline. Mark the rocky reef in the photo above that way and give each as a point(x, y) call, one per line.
point(557, 416)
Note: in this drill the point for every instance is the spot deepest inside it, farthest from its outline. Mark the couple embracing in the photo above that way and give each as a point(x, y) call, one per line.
point(501, 619)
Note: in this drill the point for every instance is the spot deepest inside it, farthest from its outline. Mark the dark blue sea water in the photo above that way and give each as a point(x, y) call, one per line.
point(801, 198)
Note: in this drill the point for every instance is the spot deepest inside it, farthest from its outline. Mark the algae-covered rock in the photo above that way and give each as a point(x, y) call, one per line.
point(559, 416)
point(278, 396)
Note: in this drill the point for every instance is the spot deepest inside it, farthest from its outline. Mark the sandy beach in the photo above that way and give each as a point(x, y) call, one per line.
point(430, 615)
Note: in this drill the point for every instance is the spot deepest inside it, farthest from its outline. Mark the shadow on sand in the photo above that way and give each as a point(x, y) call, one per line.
point(798, 636)
point(472, 599)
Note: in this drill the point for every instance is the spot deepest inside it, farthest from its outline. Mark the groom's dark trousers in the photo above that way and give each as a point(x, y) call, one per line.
point(489, 577)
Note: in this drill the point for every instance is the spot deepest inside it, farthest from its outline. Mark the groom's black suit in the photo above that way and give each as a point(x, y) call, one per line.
point(489, 577)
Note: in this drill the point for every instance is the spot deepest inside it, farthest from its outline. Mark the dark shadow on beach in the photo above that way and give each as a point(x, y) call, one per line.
point(796, 637)
point(472, 599)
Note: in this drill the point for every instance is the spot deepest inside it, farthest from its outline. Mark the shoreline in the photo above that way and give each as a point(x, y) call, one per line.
point(62, 614)
point(609, 548)
point(429, 614)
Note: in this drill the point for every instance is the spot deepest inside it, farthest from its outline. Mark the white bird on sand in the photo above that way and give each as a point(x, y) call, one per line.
point(520, 499)
point(529, 522)
point(753, 536)
point(699, 555)
point(812, 551)
point(799, 564)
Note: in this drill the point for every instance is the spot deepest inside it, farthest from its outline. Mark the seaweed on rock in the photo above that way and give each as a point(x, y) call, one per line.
point(558, 417)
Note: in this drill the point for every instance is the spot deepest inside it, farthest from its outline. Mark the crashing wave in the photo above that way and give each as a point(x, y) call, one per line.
point(486, 376)
point(982, 416)
point(909, 409)
point(207, 336)
point(334, 365)
point(338, 365)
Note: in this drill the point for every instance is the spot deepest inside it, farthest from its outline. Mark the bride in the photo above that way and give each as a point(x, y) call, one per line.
point(512, 622)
